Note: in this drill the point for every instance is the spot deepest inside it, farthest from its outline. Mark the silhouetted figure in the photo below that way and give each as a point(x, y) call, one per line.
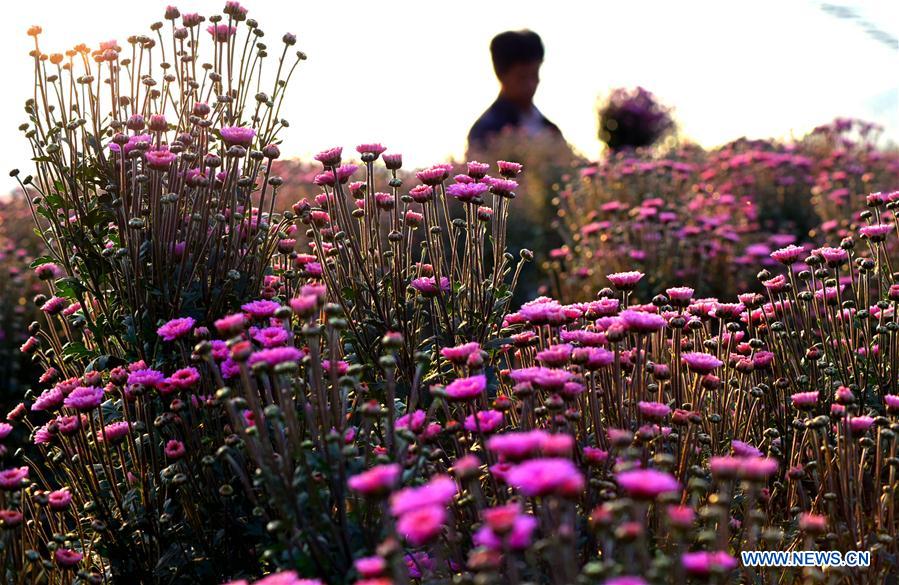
point(517, 57)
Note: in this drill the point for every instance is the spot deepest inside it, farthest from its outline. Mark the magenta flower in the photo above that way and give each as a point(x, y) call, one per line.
point(488, 421)
point(646, 484)
point(642, 322)
point(175, 450)
point(701, 363)
point(261, 309)
point(466, 388)
point(146, 377)
point(271, 336)
point(437, 492)
point(54, 305)
point(517, 446)
point(459, 355)
point(161, 159)
point(48, 400)
point(467, 192)
point(373, 148)
point(654, 410)
point(185, 378)
point(509, 169)
point(832, 256)
point(114, 432)
point(176, 328)
point(13, 478)
point(625, 280)
point(703, 563)
point(276, 355)
point(329, 157)
point(427, 285)
point(548, 476)
point(84, 398)
point(681, 516)
point(891, 401)
point(66, 557)
point(59, 500)
point(805, 400)
point(789, 255)
point(742, 449)
point(517, 536)
point(222, 33)
point(377, 481)
point(593, 358)
point(421, 525)
point(231, 324)
point(758, 468)
point(238, 135)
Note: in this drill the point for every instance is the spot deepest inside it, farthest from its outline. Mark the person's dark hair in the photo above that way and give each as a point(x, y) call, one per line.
point(513, 47)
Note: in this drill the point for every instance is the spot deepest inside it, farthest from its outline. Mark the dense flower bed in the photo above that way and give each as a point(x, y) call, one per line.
point(341, 390)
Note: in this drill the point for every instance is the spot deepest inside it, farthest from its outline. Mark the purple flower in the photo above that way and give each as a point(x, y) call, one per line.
point(625, 280)
point(221, 32)
point(261, 309)
point(48, 400)
point(467, 192)
point(13, 478)
point(276, 355)
point(427, 285)
point(542, 477)
point(466, 388)
point(641, 321)
point(703, 563)
point(176, 328)
point(701, 363)
point(646, 484)
point(146, 377)
point(488, 421)
point(84, 398)
point(238, 135)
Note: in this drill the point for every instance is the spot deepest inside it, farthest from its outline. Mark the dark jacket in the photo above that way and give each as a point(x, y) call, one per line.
point(501, 114)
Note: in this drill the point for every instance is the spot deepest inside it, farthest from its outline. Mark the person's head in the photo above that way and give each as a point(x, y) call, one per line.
point(517, 56)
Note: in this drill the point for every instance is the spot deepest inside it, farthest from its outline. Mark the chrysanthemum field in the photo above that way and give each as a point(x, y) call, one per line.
point(219, 373)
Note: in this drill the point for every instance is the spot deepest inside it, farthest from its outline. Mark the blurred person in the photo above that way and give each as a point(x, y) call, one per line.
point(517, 57)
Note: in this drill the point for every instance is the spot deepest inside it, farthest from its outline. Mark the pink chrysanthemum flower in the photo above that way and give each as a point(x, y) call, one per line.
point(701, 363)
point(487, 422)
point(459, 354)
point(437, 492)
point(548, 476)
point(66, 557)
point(789, 255)
point(59, 500)
point(625, 580)
point(268, 337)
point(54, 305)
point(13, 478)
point(742, 449)
point(114, 432)
point(222, 33)
point(517, 446)
point(466, 388)
point(329, 157)
point(646, 484)
point(48, 400)
point(185, 378)
point(704, 563)
point(146, 377)
point(509, 170)
point(175, 450)
point(160, 159)
point(238, 135)
point(505, 526)
point(375, 149)
point(261, 309)
point(276, 355)
point(176, 328)
point(642, 322)
point(427, 285)
point(231, 324)
point(84, 398)
point(625, 280)
point(421, 525)
point(654, 410)
point(805, 400)
point(377, 481)
point(467, 192)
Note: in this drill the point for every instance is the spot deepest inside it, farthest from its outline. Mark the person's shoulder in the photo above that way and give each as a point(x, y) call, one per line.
point(493, 120)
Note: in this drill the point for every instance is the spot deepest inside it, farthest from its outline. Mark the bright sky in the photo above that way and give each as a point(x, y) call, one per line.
point(415, 74)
